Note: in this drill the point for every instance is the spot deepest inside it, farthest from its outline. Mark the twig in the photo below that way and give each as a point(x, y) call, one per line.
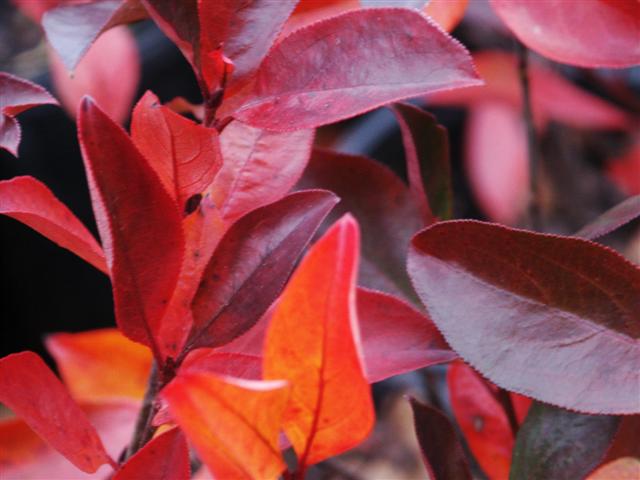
point(144, 429)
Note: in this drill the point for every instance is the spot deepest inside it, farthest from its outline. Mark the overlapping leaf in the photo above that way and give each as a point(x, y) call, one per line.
point(626, 468)
point(557, 316)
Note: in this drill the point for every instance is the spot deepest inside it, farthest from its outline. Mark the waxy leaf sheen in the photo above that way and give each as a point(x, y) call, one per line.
point(314, 343)
point(302, 82)
point(553, 318)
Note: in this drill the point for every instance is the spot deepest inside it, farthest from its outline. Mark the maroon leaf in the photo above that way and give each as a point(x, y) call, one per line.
point(259, 167)
point(32, 203)
point(384, 207)
point(33, 392)
point(251, 265)
point(441, 451)
point(554, 318)
point(17, 96)
point(140, 228)
point(166, 457)
point(303, 82)
point(589, 33)
point(185, 155)
point(240, 365)
point(612, 219)
point(72, 29)
point(396, 338)
point(426, 147)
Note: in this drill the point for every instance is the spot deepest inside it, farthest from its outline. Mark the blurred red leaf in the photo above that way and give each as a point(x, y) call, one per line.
point(441, 451)
point(521, 406)
point(185, 155)
point(109, 72)
point(140, 228)
point(624, 171)
point(482, 420)
point(311, 11)
point(17, 96)
point(313, 342)
point(33, 392)
point(259, 167)
point(589, 33)
point(35, 10)
point(557, 315)
point(166, 457)
point(290, 94)
point(626, 468)
point(259, 250)
point(233, 424)
point(446, 13)
point(612, 219)
point(32, 203)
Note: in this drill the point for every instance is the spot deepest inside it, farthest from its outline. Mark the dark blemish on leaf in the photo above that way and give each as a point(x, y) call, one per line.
point(192, 203)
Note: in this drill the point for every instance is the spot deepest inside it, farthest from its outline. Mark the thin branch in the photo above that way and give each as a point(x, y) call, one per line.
point(144, 429)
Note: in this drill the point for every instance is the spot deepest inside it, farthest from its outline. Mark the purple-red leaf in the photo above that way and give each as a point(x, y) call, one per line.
point(32, 203)
point(442, 453)
point(303, 82)
point(612, 219)
point(17, 96)
point(33, 392)
point(166, 457)
point(251, 265)
point(140, 228)
point(553, 318)
point(72, 29)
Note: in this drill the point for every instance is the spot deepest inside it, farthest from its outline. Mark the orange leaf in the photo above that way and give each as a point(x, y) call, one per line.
point(446, 13)
point(313, 341)
point(232, 423)
point(625, 468)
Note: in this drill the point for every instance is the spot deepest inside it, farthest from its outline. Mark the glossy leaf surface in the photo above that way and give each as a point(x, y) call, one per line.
point(166, 457)
point(33, 392)
point(140, 228)
point(626, 468)
point(589, 33)
point(302, 82)
point(17, 96)
point(559, 444)
point(232, 423)
point(442, 453)
point(313, 342)
point(612, 219)
point(557, 315)
point(259, 250)
point(101, 365)
point(32, 203)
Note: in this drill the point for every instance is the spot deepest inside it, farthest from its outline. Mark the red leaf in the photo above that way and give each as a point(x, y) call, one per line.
point(626, 468)
point(314, 343)
point(310, 11)
point(482, 420)
point(259, 167)
point(521, 406)
point(35, 10)
point(185, 155)
point(238, 365)
point(101, 365)
point(426, 146)
point(612, 219)
point(140, 228)
point(233, 424)
point(384, 207)
point(396, 338)
point(557, 315)
point(302, 82)
point(569, 33)
point(441, 450)
point(72, 28)
point(109, 72)
point(32, 203)
point(625, 170)
point(17, 96)
point(33, 392)
point(259, 250)
point(166, 457)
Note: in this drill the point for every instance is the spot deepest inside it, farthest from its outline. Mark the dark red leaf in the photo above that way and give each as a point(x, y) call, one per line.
point(251, 265)
point(240, 365)
point(140, 227)
point(17, 96)
point(555, 443)
point(384, 207)
point(426, 147)
point(553, 318)
point(71, 29)
point(166, 457)
point(441, 451)
point(32, 203)
point(589, 33)
point(612, 219)
point(33, 392)
point(302, 82)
